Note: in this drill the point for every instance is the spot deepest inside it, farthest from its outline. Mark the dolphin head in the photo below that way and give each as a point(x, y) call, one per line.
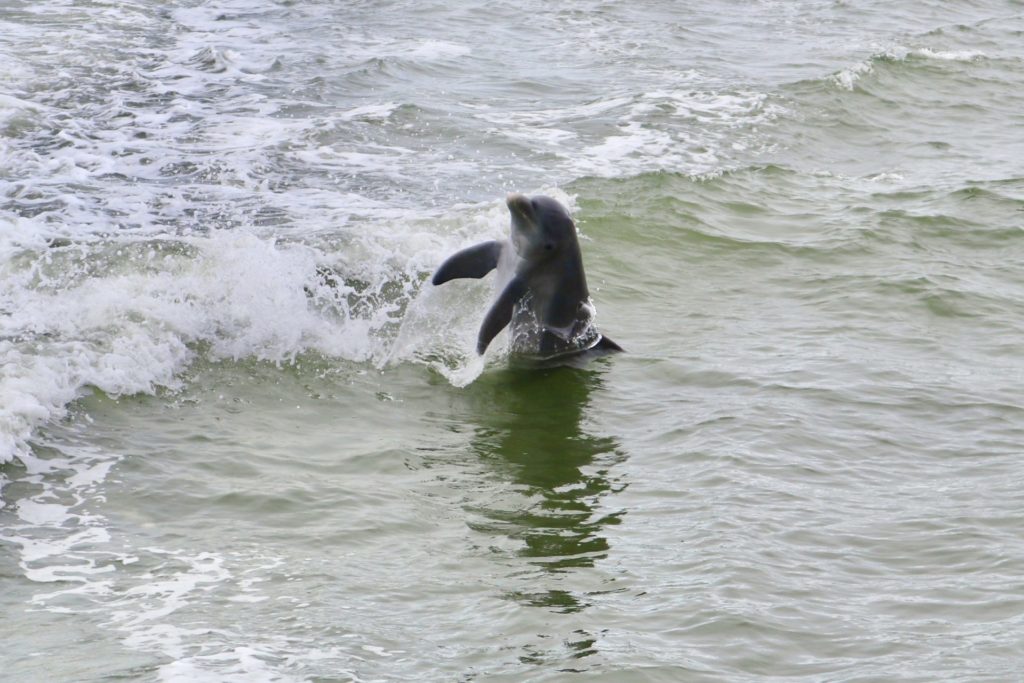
point(541, 227)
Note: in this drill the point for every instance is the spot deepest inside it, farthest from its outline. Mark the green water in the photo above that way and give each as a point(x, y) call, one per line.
point(242, 438)
point(782, 476)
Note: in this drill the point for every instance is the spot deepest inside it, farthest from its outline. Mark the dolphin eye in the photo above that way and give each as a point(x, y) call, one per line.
point(548, 246)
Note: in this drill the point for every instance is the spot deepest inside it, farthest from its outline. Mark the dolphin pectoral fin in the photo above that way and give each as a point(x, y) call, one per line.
point(606, 344)
point(500, 314)
point(474, 262)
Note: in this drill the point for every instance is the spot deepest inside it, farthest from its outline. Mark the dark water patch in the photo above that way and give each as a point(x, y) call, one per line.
point(532, 433)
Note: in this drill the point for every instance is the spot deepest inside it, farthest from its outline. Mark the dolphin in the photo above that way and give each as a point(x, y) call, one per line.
point(542, 290)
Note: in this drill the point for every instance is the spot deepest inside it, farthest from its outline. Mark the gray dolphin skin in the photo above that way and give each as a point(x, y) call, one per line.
point(543, 293)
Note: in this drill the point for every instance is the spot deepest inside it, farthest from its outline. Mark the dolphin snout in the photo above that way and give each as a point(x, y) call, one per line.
point(518, 203)
point(522, 221)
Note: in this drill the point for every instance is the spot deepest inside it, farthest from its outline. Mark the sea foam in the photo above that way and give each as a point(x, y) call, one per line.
point(128, 314)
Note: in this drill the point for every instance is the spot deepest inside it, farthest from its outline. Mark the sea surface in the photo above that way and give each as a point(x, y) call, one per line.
point(243, 438)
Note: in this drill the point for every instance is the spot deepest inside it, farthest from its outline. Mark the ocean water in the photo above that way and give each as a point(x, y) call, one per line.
point(242, 438)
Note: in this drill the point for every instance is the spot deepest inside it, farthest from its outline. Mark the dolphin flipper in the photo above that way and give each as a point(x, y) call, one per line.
point(500, 314)
point(474, 262)
point(607, 345)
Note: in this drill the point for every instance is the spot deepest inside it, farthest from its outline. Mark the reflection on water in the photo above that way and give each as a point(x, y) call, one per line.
point(531, 432)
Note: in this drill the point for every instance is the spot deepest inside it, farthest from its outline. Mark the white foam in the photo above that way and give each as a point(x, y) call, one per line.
point(41, 513)
point(950, 55)
point(432, 50)
point(89, 476)
point(36, 387)
point(547, 116)
point(75, 557)
point(79, 566)
point(683, 129)
point(239, 665)
point(361, 47)
point(847, 78)
point(9, 102)
point(886, 177)
point(369, 112)
point(124, 316)
point(160, 597)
